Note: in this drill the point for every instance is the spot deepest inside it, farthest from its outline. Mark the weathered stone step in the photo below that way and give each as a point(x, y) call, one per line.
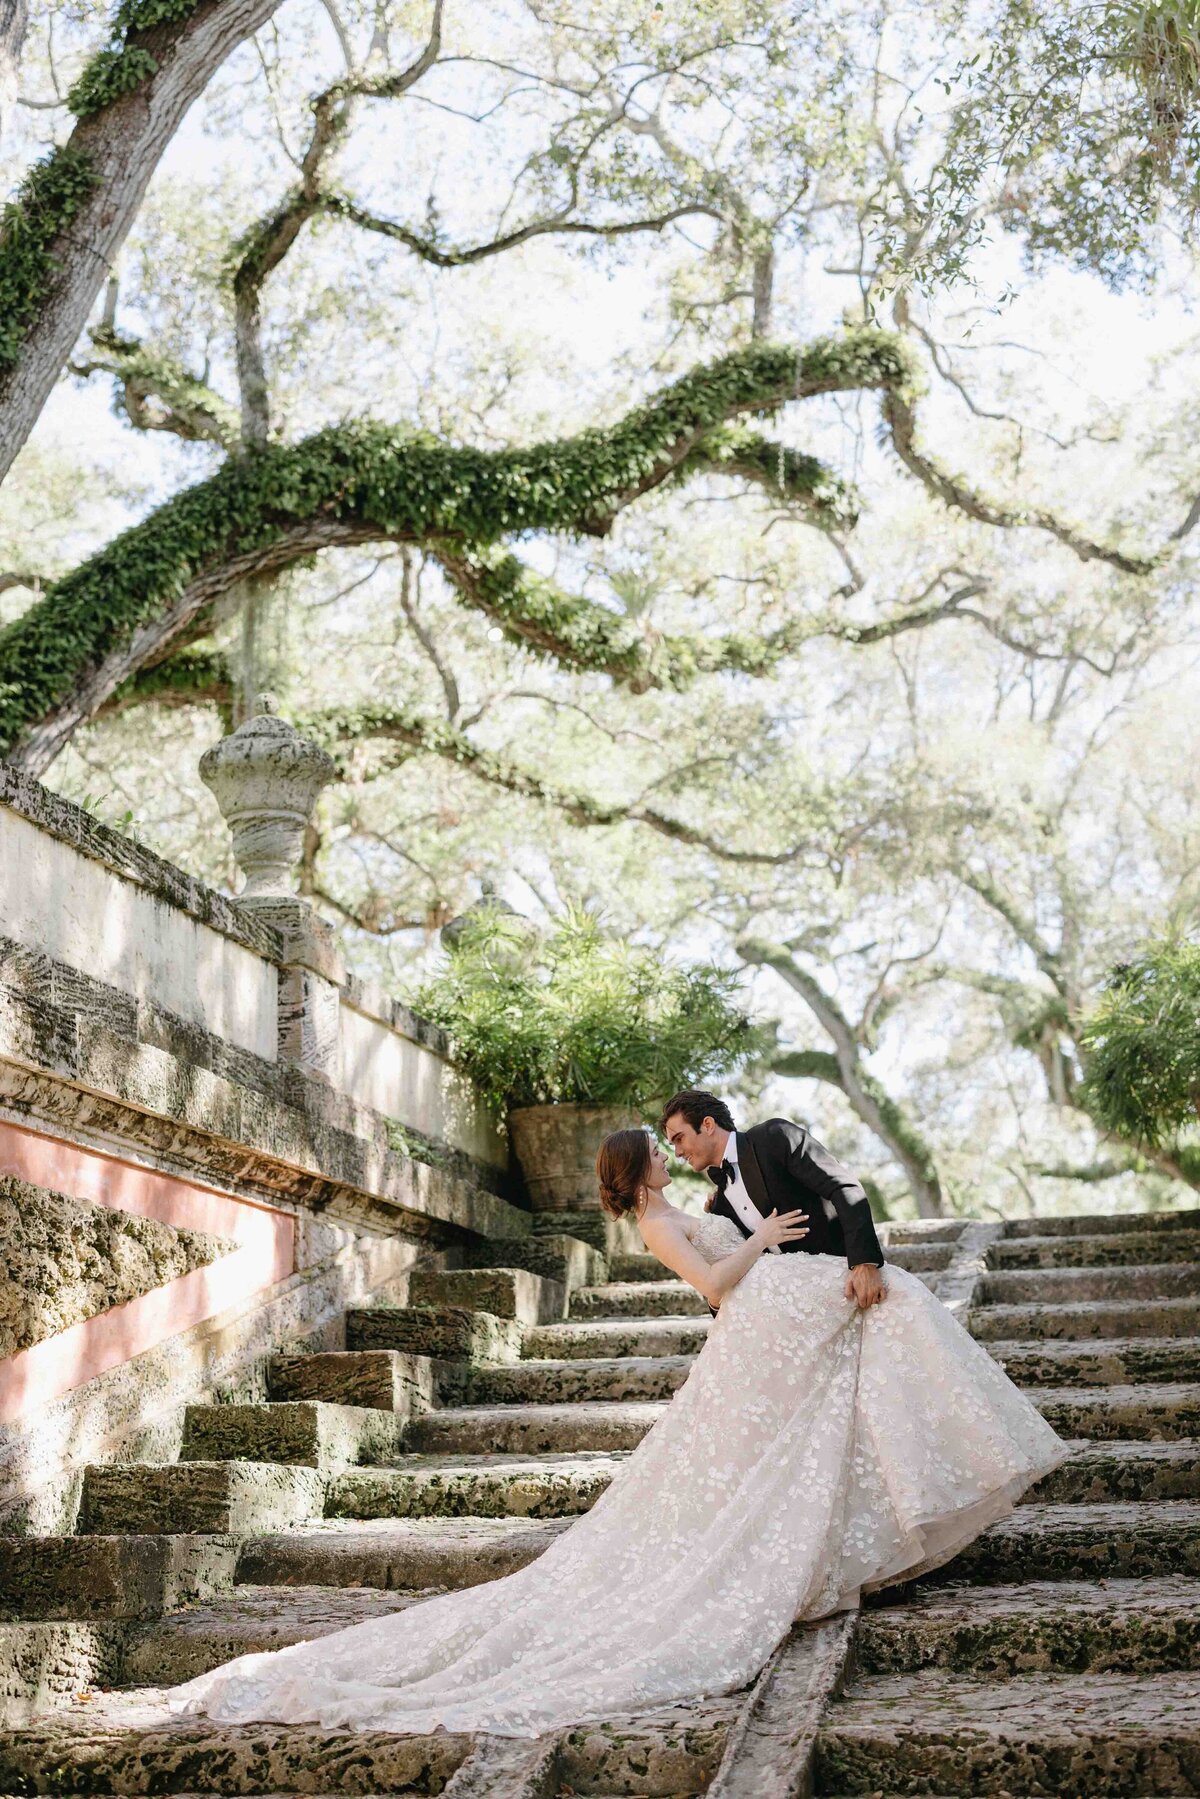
point(190, 1642)
point(42, 1664)
point(1088, 1318)
point(175, 1497)
point(1047, 1286)
point(405, 1553)
point(638, 1299)
point(1162, 1413)
point(383, 1379)
point(631, 1266)
point(1104, 1224)
point(453, 1333)
point(1117, 1626)
point(1118, 1735)
point(1123, 1470)
point(568, 1382)
point(89, 1578)
point(532, 1429)
point(569, 1261)
point(1125, 1249)
point(303, 1431)
point(588, 1340)
point(1077, 1542)
point(479, 1486)
point(130, 1743)
point(504, 1292)
point(1114, 1362)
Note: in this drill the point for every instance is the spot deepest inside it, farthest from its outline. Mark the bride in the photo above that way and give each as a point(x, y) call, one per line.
point(827, 1440)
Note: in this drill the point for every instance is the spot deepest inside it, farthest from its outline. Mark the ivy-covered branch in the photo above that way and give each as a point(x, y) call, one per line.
point(157, 394)
point(61, 230)
point(869, 1099)
point(367, 482)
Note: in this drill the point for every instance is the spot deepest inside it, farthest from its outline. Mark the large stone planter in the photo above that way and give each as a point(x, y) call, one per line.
point(556, 1148)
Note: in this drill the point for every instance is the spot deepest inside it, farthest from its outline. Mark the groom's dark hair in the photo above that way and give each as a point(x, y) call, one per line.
point(696, 1105)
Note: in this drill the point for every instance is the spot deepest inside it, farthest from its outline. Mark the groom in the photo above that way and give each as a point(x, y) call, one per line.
point(778, 1166)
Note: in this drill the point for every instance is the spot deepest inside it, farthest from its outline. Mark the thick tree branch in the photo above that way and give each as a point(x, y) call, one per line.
point(426, 736)
point(60, 233)
point(369, 483)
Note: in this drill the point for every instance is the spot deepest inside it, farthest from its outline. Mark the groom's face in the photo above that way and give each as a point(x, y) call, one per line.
point(698, 1148)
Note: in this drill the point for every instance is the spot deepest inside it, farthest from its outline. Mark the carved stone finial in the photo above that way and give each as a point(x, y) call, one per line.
point(266, 778)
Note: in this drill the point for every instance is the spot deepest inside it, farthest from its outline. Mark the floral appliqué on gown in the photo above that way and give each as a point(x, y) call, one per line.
point(814, 1451)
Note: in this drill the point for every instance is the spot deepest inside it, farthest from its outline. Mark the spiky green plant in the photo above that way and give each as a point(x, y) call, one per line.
point(581, 1016)
point(1143, 1044)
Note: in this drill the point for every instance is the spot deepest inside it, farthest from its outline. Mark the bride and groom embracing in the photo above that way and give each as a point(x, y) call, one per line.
point(838, 1431)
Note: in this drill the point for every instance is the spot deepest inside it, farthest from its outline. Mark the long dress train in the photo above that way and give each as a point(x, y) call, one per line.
point(815, 1450)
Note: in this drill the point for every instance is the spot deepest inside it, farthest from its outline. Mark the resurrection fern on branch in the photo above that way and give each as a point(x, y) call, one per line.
point(579, 1016)
point(1143, 1044)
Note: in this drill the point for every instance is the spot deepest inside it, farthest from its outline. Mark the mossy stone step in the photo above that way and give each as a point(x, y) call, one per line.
point(190, 1642)
point(1128, 1248)
point(83, 1579)
point(309, 1432)
point(1087, 1319)
point(569, 1261)
point(638, 1299)
point(130, 1743)
point(533, 1429)
point(405, 1553)
point(1076, 1542)
point(453, 1333)
point(505, 1292)
point(1115, 1362)
point(1104, 1224)
point(382, 1379)
point(42, 1664)
point(479, 1486)
point(1119, 1735)
point(567, 1382)
point(585, 1340)
point(1049, 1286)
point(177, 1497)
point(1121, 1470)
point(1116, 1626)
point(1166, 1412)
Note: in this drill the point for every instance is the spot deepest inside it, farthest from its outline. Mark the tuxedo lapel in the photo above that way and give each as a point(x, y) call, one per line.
point(752, 1175)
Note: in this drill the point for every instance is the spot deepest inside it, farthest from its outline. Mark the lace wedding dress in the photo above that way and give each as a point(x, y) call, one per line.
point(814, 1450)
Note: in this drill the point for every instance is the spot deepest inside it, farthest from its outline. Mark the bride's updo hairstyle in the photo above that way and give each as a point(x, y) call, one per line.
point(622, 1165)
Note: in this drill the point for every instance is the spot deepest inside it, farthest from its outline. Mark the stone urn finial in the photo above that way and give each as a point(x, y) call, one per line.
point(490, 904)
point(266, 778)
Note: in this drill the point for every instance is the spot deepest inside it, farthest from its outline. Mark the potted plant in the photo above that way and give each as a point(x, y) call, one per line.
point(574, 1033)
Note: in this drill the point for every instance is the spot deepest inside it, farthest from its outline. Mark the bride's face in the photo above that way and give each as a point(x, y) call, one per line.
point(659, 1173)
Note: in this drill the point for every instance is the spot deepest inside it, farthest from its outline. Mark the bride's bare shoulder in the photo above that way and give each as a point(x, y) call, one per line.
point(668, 1218)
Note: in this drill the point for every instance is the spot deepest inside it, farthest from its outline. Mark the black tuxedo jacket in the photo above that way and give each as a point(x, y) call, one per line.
point(785, 1168)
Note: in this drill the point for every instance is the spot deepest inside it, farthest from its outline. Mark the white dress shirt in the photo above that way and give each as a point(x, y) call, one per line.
point(737, 1195)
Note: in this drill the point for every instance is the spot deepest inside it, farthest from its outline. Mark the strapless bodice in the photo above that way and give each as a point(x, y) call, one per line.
point(714, 1236)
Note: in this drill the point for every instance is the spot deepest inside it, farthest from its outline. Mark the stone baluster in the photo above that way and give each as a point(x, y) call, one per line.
point(266, 778)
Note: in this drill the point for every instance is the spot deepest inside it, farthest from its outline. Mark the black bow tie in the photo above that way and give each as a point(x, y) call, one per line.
point(721, 1177)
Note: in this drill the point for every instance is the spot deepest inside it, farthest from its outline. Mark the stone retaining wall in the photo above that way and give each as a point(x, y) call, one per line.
point(158, 1106)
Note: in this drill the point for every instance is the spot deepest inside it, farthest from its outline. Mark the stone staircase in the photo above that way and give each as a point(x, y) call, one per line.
point(453, 1436)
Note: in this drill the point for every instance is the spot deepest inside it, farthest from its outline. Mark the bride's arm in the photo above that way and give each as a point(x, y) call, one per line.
point(713, 1280)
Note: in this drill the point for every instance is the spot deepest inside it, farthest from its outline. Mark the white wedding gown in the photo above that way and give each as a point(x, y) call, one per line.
point(815, 1449)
